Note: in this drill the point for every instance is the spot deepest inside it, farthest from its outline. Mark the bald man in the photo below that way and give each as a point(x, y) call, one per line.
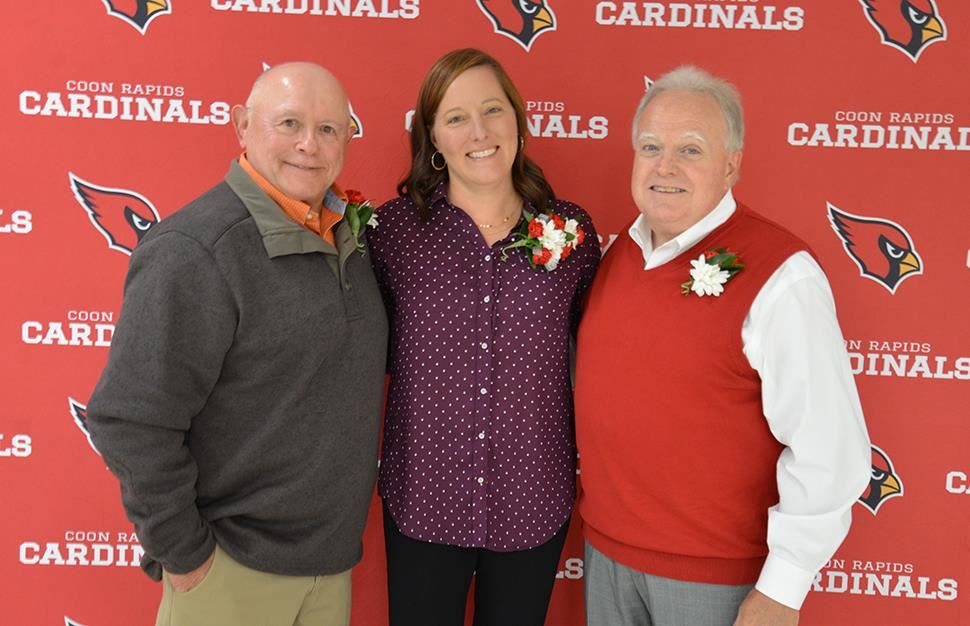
point(240, 404)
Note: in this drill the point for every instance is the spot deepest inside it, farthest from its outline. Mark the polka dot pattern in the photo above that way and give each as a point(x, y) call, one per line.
point(478, 448)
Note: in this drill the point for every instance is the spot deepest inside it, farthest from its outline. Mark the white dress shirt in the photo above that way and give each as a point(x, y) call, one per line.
point(792, 338)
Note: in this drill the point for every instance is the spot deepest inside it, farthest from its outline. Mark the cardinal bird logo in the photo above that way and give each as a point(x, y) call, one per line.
point(138, 13)
point(355, 122)
point(520, 20)
point(882, 249)
point(122, 216)
point(907, 25)
point(80, 414)
point(883, 483)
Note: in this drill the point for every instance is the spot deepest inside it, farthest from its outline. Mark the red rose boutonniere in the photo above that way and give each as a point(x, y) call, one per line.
point(359, 213)
point(710, 271)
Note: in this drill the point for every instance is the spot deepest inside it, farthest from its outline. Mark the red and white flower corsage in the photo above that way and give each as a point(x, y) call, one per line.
point(547, 239)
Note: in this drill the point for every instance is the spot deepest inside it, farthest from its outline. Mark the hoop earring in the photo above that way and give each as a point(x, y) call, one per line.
point(443, 165)
point(521, 142)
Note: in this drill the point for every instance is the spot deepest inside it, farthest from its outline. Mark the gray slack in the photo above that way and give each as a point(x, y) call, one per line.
point(617, 595)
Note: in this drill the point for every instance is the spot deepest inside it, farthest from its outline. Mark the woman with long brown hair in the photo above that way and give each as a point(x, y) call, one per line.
point(482, 271)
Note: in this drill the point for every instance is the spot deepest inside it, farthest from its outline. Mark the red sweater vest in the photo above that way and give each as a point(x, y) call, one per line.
point(678, 462)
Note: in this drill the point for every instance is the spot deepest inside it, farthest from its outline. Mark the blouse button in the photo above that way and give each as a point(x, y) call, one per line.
point(488, 257)
point(487, 299)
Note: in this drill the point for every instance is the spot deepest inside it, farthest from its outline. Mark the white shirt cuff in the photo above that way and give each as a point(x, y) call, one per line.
point(783, 582)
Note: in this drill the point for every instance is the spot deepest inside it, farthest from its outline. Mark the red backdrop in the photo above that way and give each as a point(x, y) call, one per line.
point(838, 115)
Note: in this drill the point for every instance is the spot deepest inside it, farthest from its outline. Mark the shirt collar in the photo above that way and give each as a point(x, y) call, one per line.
point(440, 193)
point(655, 257)
point(281, 235)
point(335, 199)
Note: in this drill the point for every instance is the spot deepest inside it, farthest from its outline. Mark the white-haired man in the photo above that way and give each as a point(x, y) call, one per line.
point(720, 431)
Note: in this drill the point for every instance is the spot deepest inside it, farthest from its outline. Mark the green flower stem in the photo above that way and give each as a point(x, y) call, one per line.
point(518, 244)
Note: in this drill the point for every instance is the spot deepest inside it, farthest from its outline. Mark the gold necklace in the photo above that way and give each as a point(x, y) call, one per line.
point(486, 226)
point(504, 221)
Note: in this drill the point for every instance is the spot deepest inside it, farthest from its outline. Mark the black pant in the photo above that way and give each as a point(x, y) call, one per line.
point(427, 583)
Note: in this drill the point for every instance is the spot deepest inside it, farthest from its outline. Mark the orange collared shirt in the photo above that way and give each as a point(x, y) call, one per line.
point(321, 223)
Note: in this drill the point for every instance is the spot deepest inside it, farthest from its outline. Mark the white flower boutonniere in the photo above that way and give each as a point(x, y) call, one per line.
point(710, 271)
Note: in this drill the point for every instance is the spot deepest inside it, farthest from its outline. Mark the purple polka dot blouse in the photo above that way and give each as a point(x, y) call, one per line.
point(478, 434)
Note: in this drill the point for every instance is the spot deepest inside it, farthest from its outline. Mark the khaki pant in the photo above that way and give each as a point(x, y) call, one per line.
point(234, 595)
